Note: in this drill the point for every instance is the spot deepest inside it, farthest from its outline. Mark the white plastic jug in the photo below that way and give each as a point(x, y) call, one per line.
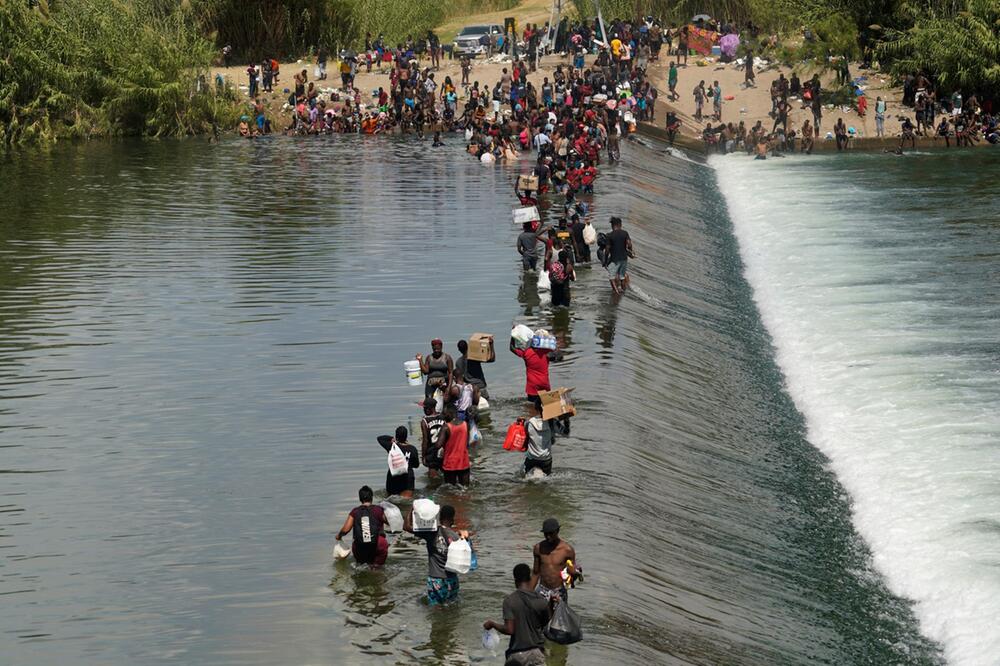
point(412, 369)
point(393, 515)
point(425, 515)
point(459, 557)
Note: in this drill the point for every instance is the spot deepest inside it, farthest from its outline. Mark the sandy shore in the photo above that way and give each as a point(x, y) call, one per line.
point(748, 105)
point(753, 104)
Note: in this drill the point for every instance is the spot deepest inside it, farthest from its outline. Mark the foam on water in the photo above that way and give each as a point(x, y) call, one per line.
point(882, 308)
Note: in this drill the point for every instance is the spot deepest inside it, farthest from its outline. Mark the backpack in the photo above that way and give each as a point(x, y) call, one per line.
point(557, 272)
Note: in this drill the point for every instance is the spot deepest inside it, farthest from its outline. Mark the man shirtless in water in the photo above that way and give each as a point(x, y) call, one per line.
point(552, 556)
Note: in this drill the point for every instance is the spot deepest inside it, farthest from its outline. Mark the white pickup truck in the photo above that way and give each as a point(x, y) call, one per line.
point(474, 40)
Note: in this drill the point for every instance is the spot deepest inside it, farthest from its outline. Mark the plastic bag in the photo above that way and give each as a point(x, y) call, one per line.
point(544, 284)
point(517, 437)
point(491, 639)
point(474, 435)
point(564, 627)
point(522, 336)
point(438, 400)
point(398, 465)
point(317, 72)
point(393, 516)
point(459, 557)
point(589, 234)
point(340, 552)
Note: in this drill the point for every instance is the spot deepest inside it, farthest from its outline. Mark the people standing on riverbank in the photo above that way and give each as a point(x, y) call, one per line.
point(365, 523)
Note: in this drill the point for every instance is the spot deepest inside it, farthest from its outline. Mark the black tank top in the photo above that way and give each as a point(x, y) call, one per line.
point(434, 424)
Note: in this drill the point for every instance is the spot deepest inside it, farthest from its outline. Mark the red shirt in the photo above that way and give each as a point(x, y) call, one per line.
point(536, 366)
point(456, 449)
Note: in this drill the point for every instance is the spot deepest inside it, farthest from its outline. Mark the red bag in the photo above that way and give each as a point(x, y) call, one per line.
point(517, 437)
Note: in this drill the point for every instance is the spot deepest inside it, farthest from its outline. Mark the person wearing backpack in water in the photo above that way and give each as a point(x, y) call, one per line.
point(561, 273)
point(525, 615)
point(442, 585)
point(365, 522)
point(403, 484)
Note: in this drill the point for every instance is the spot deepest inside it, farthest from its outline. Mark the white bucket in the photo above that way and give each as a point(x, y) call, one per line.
point(412, 370)
point(425, 515)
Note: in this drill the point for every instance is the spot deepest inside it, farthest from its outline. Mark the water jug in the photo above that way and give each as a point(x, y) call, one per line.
point(459, 557)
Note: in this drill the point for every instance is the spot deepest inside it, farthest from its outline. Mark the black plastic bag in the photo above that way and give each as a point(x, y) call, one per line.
point(564, 627)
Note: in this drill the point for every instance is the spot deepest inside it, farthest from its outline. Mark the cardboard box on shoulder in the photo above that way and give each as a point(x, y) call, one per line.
point(481, 348)
point(556, 403)
point(527, 182)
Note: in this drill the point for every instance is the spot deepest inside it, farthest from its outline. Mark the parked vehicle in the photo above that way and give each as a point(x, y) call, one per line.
point(474, 40)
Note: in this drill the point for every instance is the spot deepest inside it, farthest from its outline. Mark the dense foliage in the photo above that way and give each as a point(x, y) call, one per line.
point(255, 28)
point(962, 51)
point(102, 67)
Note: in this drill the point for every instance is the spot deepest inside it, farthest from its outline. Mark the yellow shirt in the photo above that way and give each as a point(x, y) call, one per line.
point(616, 46)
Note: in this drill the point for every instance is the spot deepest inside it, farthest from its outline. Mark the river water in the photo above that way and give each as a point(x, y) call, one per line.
point(199, 344)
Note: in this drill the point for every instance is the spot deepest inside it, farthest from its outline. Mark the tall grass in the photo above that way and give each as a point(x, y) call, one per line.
point(104, 67)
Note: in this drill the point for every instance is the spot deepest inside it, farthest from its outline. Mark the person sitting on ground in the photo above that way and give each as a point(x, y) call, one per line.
point(401, 485)
point(442, 585)
point(365, 522)
point(525, 616)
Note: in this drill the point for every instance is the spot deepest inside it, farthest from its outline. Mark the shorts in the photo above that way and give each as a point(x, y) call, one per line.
point(532, 657)
point(374, 557)
point(441, 591)
point(529, 261)
point(532, 463)
point(617, 269)
point(551, 594)
point(456, 477)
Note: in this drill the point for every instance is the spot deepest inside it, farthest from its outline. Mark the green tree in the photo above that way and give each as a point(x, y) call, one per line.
point(959, 52)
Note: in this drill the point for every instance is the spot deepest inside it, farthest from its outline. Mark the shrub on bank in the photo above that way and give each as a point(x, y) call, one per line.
point(104, 68)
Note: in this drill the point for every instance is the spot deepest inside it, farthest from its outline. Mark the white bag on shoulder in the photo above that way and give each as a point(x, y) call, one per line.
point(398, 465)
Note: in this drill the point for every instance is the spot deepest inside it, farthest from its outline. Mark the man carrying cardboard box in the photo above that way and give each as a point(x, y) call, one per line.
point(470, 362)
